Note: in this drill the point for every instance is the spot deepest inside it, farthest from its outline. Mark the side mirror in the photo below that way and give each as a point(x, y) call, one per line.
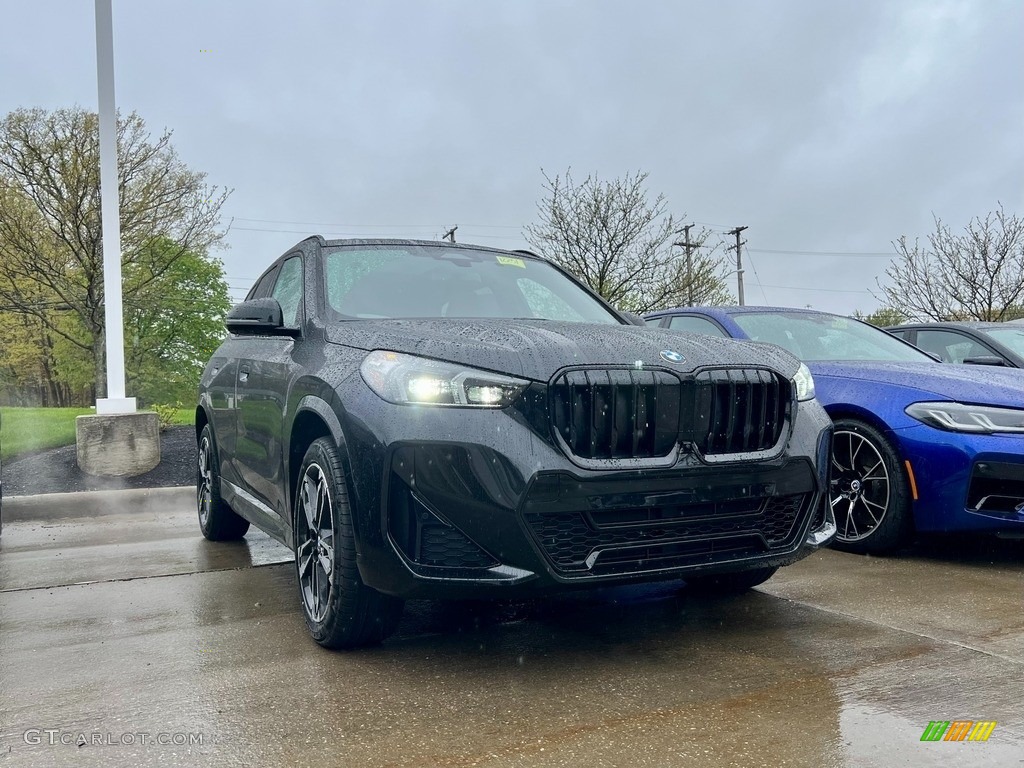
point(633, 318)
point(258, 317)
point(984, 360)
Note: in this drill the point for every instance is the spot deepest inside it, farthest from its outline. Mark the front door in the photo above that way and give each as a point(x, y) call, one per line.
point(264, 379)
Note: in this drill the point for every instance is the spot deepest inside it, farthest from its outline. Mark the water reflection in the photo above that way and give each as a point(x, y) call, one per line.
point(257, 548)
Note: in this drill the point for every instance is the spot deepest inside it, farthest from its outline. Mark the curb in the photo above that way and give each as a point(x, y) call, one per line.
point(66, 506)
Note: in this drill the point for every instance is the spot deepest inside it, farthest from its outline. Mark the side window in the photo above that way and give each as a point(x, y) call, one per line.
point(262, 288)
point(653, 321)
point(288, 291)
point(695, 324)
point(950, 346)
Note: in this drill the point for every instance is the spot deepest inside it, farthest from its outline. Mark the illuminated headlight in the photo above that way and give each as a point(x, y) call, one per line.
point(957, 417)
point(804, 383)
point(410, 380)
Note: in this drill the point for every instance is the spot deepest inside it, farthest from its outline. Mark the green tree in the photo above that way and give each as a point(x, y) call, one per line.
point(50, 235)
point(33, 365)
point(26, 362)
point(623, 244)
point(174, 326)
point(883, 317)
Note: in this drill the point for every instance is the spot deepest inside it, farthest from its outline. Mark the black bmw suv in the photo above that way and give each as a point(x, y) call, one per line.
point(424, 419)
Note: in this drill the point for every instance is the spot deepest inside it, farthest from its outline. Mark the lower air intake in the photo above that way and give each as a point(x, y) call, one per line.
point(996, 487)
point(425, 538)
point(633, 540)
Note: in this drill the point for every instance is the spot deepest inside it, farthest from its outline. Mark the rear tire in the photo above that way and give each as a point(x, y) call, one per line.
point(340, 610)
point(217, 520)
point(870, 493)
point(729, 583)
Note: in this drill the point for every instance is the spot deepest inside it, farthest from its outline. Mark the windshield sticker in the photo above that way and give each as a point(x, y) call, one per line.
point(510, 261)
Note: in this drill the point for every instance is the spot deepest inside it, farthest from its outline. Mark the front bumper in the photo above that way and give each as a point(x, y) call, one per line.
point(453, 503)
point(965, 482)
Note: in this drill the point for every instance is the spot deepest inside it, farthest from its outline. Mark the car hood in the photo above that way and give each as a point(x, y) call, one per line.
point(535, 349)
point(964, 383)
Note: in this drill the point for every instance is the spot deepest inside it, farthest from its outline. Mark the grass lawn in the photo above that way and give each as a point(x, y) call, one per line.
point(185, 416)
point(36, 429)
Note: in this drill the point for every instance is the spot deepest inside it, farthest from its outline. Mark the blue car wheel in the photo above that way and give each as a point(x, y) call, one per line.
point(869, 494)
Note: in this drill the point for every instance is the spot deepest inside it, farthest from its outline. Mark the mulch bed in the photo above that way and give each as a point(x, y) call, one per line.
point(56, 471)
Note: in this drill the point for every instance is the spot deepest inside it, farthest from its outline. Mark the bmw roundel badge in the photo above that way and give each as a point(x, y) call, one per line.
point(671, 356)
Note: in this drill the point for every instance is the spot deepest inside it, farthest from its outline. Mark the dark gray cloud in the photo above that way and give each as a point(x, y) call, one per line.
point(822, 126)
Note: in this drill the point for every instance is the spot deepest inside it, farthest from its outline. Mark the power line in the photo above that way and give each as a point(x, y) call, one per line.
point(431, 228)
point(713, 226)
point(822, 290)
point(343, 228)
point(371, 226)
point(430, 233)
point(872, 254)
point(758, 278)
point(305, 231)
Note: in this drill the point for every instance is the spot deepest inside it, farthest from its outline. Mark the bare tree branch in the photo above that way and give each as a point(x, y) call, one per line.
point(619, 241)
point(977, 275)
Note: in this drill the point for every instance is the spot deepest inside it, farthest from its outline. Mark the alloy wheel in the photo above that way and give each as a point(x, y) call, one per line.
point(860, 486)
point(204, 491)
point(315, 534)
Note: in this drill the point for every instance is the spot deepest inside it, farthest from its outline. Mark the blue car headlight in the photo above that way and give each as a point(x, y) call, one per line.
point(958, 417)
point(411, 380)
point(804, 383)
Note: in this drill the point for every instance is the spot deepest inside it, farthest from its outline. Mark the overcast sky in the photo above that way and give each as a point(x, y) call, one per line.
point(825, 127)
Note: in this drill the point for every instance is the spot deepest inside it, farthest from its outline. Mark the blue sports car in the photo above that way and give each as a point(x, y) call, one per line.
point(918, 445)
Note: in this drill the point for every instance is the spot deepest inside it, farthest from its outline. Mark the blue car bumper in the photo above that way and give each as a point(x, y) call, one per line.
point(965, 481)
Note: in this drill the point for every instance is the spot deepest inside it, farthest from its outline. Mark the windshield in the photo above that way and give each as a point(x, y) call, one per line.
point(389, 281)
point(1011, 338)
point(814, 337)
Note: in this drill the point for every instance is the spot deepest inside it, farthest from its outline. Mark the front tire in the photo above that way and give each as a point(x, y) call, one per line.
point(217, 520)
point(729, 583)
point(870, 494)
point(340, 610)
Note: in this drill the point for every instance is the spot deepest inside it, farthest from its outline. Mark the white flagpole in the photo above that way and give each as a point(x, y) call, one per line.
point(115, 401)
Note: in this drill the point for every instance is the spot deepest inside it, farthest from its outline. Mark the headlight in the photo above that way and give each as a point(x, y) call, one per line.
point(804, 383)
point(957, 417)
point(410, 380)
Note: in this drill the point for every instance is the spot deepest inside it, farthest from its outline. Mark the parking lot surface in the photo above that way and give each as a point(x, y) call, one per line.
point(126, 639)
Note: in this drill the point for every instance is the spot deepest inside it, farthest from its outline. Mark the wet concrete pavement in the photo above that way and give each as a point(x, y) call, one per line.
point(837, 661)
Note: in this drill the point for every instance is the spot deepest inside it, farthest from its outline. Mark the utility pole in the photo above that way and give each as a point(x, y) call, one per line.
point(449, 235)
point(689, 261)
point(739, 260)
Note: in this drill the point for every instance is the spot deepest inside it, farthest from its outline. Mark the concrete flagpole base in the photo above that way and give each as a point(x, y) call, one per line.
point(106, 405)
point(118, 444)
